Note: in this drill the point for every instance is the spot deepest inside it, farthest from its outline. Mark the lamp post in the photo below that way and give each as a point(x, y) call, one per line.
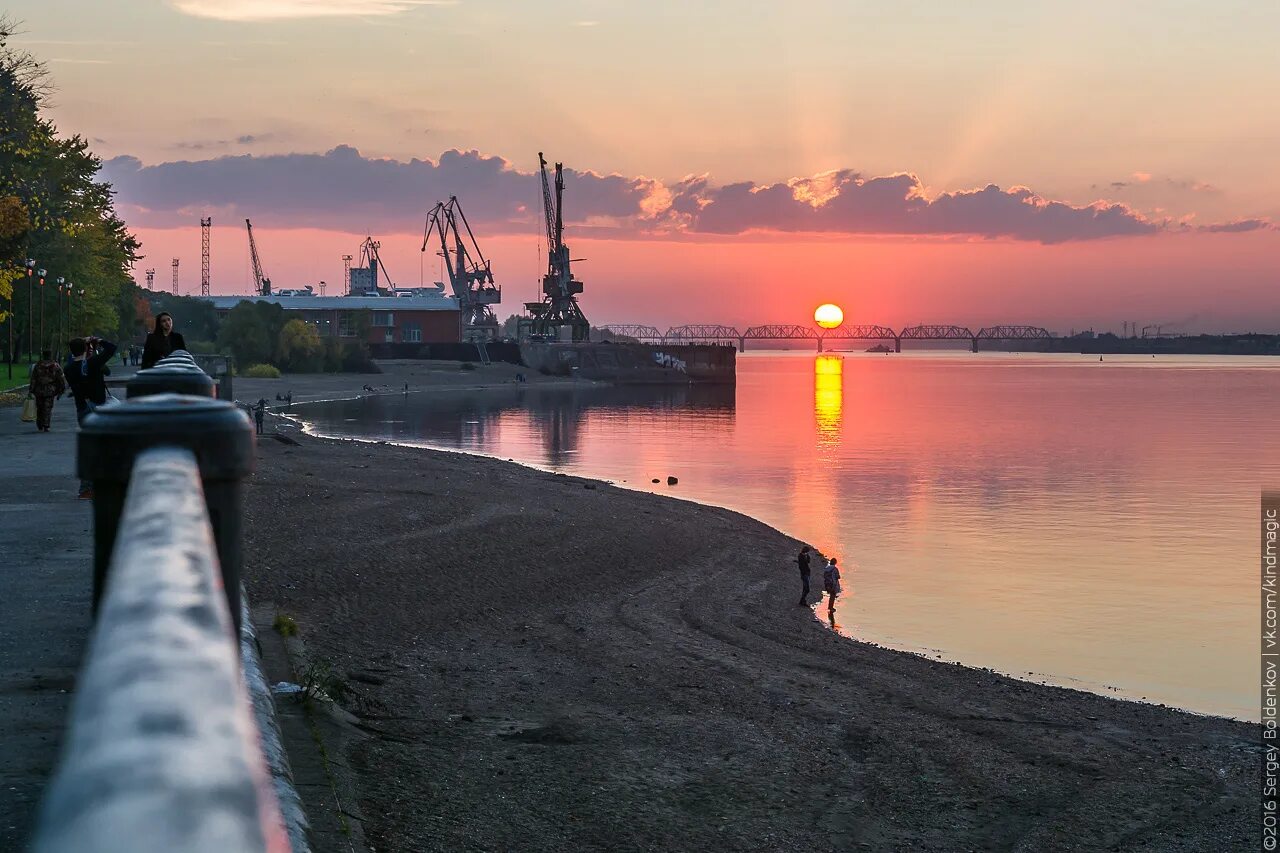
point(81, 295)
point(58, 307)
point(31, 265)
point(71, 289)
point(42, 273)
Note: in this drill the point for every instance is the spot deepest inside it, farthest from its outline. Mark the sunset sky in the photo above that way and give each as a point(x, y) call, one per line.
point(1068, 165)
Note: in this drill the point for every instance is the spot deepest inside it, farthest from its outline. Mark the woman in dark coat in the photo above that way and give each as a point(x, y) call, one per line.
point(162, 341)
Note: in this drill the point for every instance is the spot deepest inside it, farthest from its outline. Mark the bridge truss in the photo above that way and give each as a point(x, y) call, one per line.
point(718, 332)
point(626, 330)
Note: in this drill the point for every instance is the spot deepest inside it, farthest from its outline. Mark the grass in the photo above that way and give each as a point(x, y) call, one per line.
point(285, 625)
point(262, 371)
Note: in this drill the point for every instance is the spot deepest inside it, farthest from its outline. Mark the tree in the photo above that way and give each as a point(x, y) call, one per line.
point(246, 335)
point(55, 211)
point(300, 348)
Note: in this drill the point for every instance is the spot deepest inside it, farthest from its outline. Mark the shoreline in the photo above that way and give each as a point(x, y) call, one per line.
point(1107, 691)
point(617, 651)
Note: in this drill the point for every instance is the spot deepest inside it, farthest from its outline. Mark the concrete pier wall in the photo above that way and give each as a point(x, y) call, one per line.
point(635, 363)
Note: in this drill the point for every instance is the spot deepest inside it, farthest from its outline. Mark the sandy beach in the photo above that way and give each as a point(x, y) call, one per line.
point(542, 662)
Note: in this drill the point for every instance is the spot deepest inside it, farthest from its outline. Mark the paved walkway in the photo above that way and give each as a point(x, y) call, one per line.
point(46, 555)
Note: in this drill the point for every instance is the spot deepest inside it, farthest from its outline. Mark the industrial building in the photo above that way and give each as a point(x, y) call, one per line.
point(428, 316)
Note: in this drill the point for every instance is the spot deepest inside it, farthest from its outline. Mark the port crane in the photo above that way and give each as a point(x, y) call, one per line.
point(261, 284)
point(372, 261)
point(470, 275)
point(559, 305)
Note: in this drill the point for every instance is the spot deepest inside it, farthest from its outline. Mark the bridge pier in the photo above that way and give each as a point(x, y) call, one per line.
point(975, 345)
point(742, 344)
point(897, 344)
point(819, 343)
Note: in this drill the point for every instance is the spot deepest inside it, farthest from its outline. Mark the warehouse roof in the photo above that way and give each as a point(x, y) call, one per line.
point(426, 302)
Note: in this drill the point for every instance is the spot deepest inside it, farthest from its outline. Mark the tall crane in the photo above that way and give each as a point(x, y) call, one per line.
point(559, 306)
point(261, 284)
point(372, 261)
point(470, 275)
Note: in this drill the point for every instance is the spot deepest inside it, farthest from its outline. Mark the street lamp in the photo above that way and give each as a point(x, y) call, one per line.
point(71, 289)
point(31, 265)
point(42, 273)
point(81, 295)
point(58, 348)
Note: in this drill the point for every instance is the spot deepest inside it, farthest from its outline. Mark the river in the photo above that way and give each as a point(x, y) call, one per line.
point(1087, 524)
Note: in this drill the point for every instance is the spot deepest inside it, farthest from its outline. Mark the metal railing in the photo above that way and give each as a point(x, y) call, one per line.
point(161, 751)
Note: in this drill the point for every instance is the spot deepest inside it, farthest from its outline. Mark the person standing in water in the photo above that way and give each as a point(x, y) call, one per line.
point(162, 341)
point(831, 582)
point(803, 562)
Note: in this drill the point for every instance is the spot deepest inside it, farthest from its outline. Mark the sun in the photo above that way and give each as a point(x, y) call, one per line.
point(828, 316)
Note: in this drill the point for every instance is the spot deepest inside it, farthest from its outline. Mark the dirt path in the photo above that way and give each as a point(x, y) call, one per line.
point(544, 663)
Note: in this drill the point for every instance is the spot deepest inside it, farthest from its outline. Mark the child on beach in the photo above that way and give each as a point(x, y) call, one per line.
point(831, 582)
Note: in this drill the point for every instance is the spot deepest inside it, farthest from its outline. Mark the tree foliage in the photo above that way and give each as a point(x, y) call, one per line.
point(300, 349)
point(54, 211)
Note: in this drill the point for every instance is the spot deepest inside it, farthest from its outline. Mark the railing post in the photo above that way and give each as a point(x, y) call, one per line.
point(171, 379)
point(219, 435)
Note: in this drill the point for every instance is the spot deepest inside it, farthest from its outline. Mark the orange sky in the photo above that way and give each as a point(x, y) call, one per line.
point(1192, 282)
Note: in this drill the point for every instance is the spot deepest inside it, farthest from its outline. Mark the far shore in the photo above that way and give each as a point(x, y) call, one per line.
point(542, 662)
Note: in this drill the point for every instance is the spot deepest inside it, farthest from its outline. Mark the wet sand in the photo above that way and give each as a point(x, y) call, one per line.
point(548, 663)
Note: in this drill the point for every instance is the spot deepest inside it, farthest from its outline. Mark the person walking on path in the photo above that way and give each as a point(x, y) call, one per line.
point(47, 385)
point(86, 373)
point(803, 562)
point(260, 412)
point(162, 341)
point(831, 582)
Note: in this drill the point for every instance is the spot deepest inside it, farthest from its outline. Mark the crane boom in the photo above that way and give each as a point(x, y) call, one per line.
point(262, 284)
point(548, 206)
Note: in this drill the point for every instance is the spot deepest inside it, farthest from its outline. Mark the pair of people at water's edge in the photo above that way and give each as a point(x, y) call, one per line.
point(830, 578)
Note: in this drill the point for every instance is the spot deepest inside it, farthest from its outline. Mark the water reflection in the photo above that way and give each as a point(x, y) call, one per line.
point(551, 420)
point(1001, 510)
point(828, 397)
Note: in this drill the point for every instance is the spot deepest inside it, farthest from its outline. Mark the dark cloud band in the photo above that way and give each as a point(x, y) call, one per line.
point(341, 189)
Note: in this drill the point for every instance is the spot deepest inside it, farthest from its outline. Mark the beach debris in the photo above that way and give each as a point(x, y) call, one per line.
point(654, 480)
point(671, 481)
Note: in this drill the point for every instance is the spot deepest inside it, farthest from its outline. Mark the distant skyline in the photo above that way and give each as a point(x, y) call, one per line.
point(984, 162)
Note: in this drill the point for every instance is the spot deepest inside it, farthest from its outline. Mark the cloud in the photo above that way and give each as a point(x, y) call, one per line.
point(845, 202)
point(1238, 226)
point(344, 190)
point(276, 10)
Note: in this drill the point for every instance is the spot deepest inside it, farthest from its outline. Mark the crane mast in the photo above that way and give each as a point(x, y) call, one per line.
point(262, 284)
point(470, 274)
point(559, 306)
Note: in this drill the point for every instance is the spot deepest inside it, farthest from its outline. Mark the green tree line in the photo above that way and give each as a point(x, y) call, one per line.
point(55, 211)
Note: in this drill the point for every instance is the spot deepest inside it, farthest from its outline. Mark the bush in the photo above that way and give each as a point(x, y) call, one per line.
point(262, 371)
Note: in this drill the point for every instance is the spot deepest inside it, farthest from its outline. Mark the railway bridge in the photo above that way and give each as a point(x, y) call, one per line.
point(720, 333)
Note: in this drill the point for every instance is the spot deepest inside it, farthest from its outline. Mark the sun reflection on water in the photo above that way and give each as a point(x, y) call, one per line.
point(828, 397)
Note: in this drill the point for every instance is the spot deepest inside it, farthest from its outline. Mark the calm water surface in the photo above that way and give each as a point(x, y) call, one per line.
point(1081, 523)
